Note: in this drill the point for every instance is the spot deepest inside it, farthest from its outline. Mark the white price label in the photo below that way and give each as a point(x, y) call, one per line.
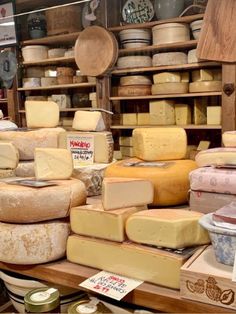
point(82, 148)
point(111, 285)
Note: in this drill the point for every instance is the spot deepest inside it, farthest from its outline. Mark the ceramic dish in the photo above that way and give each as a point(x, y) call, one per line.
point(137, 11)
point(134, 38)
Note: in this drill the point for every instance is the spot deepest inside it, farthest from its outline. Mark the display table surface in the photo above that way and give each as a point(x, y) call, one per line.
point(148, 295)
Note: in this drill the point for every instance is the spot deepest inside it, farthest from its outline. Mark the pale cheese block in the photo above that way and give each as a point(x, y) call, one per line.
point(214, 115)
point(127, 259)
point(94, 104)
point(216, 156)
point(93, 96)
point(41, 114)
point(183, 114)
point(7, 173)
point(126, 192)
point(192, 56)
point(88, 121)
point(169, 58)
point(127, 151)
point(134, 62)
point(170, 77)
point(170, 228)
point(153, 144)
point(52, 164)
point(25, 169)
point(9, 155)
point(143, 118)
point(129, 119)
point(31, 82)
point(200, 111)
point(126, 141)
point(34, 72)
point(56, 53)
point(162, 112)
point(34, 243)
point(103, 144)
point(51, 71)
point(110, 225)
point(202, 75)
point(63, 101)
point(48, 81)
point(170, 178)
point(117, 155)
point(135, 80)
point(27, 141)
point(229, 139)
point(134, 90)
point(21, 204)
point(170, 88)
point(207, 86)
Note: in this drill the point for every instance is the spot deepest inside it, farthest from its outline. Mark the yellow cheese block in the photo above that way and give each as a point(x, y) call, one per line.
point(183, 114)
point(126, 141)
point(162, 112)
point(6, 173)
point(229, 139)
point(170, 178)
point(127, 259)
point(134, 90)
point(109, 225)
point(208, 86)
point(202, 75)
point(171, 228)
point(135, 80)
point(127, 151)
point(169, 58)
point(214, 115)
point(153, 144)
point(170, 77)
point(200, 111)
point(170, 88)
point(216, 156)
point(143, 118)
point(129, 119)
point(117, 155)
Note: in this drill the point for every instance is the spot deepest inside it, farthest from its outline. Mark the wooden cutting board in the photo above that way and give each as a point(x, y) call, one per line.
point(218, 37)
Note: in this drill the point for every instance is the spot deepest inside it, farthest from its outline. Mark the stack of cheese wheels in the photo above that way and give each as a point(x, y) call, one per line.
point(205, 80)
point(134, 85)
point(170, 83)
point(213, 185)
point(159, 158)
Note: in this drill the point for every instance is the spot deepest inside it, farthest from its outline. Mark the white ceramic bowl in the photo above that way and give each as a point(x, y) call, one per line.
point(132, 38)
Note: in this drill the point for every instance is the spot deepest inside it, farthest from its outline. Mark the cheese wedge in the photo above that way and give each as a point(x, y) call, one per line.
point(88, 121)
point(200, 111)
point(9, 155)
point(229, 139)
point(171, 228)
point(202, 75)
point(25, 169)
point(182, 114)
point(214, 115)
point(216, 156)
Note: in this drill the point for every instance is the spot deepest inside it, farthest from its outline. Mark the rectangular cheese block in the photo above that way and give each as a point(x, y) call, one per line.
point(41, 114)
point(213, 180)
point(185, 77)
point(170, 228)
point(167, 77)
point(126, 141)
point(93, 96)
point(126, 192)
point(103, 144)
point(110, 225)
point(117, 155)
point(143, 118)
point(183, 114)
point(202, 75)
point(214, 115)
point(200, 111)
point(162, 112)
point(9, 155)
point(216, 156)
point(53, 164)
point(63, 101)
point(229, 139)
point(127, 259)
point(88, 121)
point(152, 144)
point(129, 119)
point(127, 151)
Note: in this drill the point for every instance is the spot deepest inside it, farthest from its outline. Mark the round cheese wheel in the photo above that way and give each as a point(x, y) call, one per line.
point(56, 53)
point(169, 58)
point(210, 86)
point(170, 33)
point(216, 156)
point(34, 243)
point(35, 72)
point(48, 81)
point(134, 62)
point(25, 169)
point(135, 80)
point(135, 90)
point(170, 178)
point(170, 88)
point(21, 204)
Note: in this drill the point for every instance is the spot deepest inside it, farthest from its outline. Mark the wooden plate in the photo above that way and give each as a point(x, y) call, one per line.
point(96, 51)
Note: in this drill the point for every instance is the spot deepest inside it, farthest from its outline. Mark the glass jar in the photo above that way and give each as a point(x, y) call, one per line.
point(88, 307)
point(37, 25)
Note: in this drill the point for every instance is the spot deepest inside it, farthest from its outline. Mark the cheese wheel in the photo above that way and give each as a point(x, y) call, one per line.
point(171, 228)
point(210, 86)
point(167, 77)
point(170, 178)
point(216, 156)
point(170, 88)
point(48, 81)
point(192, 56)
point(6, 173)
point(170, 33)
point(25, 169)
point(214, 115)
point(35, 72)
point(169, 58)
point(65, 71)
point(229, 139)
point(33, 244)
point(134, 62)
point(134, 90)
point(27, 141)
point(21, 204)
point(135, 80)
point(56, 53)
point(153, 144)
point(9, 155)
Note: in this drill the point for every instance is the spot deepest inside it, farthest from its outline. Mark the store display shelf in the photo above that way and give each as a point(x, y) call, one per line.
point(49, 61)
point(167, 96)
point(81, 85)
point(187, 127)
point(190, 66)
point(148, 295)
point(53, 40)
point(67, 109)
point(3, 101)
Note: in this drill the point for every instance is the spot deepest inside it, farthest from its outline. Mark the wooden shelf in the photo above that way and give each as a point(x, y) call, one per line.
point(63, 39)
point(167, 96)
point(186, 127)
point(190, 66)
point(3, 101)
point(49, 61)
point(148, 295)
point(66, 110)
point(81, 85)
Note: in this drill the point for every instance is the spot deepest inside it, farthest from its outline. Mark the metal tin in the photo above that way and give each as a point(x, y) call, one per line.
point(88, 307)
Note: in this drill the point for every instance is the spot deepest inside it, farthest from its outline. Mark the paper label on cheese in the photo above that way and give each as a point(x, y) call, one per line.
point(82, 149)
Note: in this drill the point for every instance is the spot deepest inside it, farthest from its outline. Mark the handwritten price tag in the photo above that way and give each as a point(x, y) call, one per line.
point(111, 285)
point(82, 148)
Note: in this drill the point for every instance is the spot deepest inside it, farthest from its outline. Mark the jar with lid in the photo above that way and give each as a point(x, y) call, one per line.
point(37, 25)
point(88, 307)
point(42, 300)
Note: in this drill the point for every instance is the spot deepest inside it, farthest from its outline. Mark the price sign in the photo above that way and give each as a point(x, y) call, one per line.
point(111, 285)
point(82, 148)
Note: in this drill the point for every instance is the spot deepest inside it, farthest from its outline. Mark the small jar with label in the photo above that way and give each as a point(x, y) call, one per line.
point(42, 300)
point(88, 307)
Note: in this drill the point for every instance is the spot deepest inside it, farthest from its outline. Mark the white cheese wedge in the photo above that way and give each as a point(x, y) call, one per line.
point(126, 141)
point(183, 115)
point(214, 115)
point(200, 111)
point(143, 118)
point(127, 259)
point(153, 144)
point(88, 121)
point(53, 164)
point(41, 114)
point(9, 155)
point(216, 156)
point(162, 112)
point(171, 228)
point(109, 225)
point(126, 192)
point(202, 75)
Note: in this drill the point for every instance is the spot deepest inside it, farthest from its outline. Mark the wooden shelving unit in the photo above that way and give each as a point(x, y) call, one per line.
point(52, 40)
point(186, 127)
point(67, 109)
point(49, 61)
point(81, 85)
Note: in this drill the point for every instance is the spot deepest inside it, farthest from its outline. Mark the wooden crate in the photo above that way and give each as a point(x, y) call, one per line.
point(205, 280)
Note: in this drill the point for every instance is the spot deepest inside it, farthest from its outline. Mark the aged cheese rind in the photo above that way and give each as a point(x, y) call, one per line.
point(20, 204)
point(169, 58)
point(88, 121)
point(25, 169)
point(153, 144)
point(216, 156)
point(170, 178)
point(27, 141)
point(126, 192)
point(9, 155)
point(109, 225)
point(135, 80)
point(202, 75)
point(171, 228)
point(34, 243)
point(127, 259)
